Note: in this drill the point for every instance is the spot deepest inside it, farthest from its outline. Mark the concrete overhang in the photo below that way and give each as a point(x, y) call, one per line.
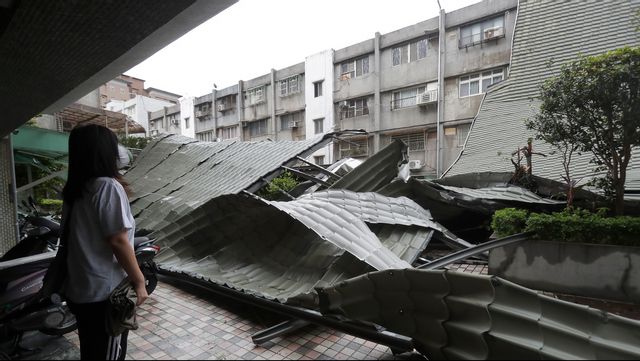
point(54, 52)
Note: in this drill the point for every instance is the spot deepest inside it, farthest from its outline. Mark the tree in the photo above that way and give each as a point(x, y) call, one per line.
point(593, 105)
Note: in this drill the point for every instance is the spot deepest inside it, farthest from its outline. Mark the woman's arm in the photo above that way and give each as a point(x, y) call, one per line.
point(126, 257)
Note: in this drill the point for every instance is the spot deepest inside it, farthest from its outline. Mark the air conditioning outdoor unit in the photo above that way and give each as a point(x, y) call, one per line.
point(244, 124)
point(293, 124)
point(430, 96)
point(175, 121)
point(221, 107)
point(415, 164)
point(199, 113)
point(492, 33)
point(343, 105)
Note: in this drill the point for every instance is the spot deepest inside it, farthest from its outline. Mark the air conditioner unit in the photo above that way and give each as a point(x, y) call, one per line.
point(430, 96)
point(221, 107)
point(415, 164)
point(244, 124)
point(199, 113)
point(293, 124)
point(492, 33)
point(343, 105)
point(345, 76)
point(175, 121)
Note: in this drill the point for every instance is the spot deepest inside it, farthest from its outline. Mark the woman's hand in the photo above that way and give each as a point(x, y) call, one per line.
point(125, 255)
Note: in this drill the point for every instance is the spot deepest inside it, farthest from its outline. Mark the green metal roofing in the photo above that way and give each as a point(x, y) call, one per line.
point(42, 143)
point(545, 30)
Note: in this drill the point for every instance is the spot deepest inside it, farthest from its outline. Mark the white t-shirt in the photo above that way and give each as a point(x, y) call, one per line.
point(102, 211)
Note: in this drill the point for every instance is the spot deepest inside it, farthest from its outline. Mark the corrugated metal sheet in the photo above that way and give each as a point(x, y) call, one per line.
point(377, 171)
point(175, 174)
point(454, 315)
point(506, 193)
point(546, 30)
point(282, 250)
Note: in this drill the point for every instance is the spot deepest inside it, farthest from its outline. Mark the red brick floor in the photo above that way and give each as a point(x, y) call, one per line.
point(181, 323)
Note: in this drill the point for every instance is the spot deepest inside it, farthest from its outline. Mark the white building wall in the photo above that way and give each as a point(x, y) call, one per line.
point(186, 113)
point(138, 108)
point(319, 67)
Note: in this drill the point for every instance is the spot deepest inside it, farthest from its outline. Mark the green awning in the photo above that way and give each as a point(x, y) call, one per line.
point(39, 142)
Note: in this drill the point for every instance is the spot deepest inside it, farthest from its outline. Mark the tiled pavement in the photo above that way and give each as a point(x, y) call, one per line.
point(183, 323)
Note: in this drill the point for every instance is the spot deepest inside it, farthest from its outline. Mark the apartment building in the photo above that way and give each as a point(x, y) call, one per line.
point(388, 85)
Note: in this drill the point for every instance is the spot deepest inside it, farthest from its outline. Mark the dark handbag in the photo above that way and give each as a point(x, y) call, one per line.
point(121, 309)
point(54, 279)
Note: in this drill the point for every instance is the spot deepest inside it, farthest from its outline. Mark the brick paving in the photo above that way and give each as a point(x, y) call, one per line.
point(184, 323)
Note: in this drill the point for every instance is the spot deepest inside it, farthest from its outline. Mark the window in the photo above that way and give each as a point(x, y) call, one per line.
point(318, 159)
point(317, 89)
point(415, 141)
point(206, 136)
point(291, 120)
point(353, 108)
point(227, 103)
point(290, 85)
point(406, 98)
point(463, 131)
point(228, 132)
point(258, 128)
point(354, 148)
point(478, 83)
point(483, 31)
point(186, 122)
point(255, 95)
point(410, 52)
point(354, 68)
point(318, 125)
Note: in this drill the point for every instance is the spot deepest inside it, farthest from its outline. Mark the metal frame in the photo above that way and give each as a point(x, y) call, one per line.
point(396, 342)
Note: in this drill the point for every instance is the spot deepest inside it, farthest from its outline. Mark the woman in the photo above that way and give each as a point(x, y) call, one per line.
point(100, 238)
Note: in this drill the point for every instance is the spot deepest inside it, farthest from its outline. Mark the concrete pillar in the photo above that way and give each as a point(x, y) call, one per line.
point(240, 109)
point(274, 126)
point(214, 112)
point(376, 94)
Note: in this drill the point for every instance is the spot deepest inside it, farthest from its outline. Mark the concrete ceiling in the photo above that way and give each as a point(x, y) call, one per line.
point(54, 52)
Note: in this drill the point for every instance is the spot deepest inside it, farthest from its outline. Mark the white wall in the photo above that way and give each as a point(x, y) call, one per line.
point(318, 67)
point(186, 111)
point(138, 108)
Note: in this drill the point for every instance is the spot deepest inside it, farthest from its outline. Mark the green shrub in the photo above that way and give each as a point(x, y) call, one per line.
point(585, 227)
point(285, 182)
point(51, 205)
point(509, 221)
point(570, 225)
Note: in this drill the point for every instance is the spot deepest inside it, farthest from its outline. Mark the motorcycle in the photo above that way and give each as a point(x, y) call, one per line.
point(21, 276)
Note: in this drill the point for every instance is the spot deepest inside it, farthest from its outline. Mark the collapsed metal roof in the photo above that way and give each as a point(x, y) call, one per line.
point(281, 250)
point(545, 32)
point(454, 315)
point(174, 175)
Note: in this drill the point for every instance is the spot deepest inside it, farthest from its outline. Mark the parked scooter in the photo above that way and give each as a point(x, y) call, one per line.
point(21, 308)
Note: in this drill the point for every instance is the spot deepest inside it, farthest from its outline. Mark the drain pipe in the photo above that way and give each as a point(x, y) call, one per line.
point(440, 110)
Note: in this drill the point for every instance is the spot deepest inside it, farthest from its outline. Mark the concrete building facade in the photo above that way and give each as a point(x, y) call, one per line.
point(387, 85)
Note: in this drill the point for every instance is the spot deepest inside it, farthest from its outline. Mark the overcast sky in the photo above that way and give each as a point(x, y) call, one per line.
point(253, 36)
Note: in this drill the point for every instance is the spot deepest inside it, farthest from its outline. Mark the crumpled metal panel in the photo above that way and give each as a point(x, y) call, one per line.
point(283, 250)
point(340, 216)
point(508, 193)
point(454, 315)
point(176, 174)
point(377, 171)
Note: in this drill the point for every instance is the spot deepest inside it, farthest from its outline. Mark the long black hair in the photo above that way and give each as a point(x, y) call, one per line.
point(93, 153)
